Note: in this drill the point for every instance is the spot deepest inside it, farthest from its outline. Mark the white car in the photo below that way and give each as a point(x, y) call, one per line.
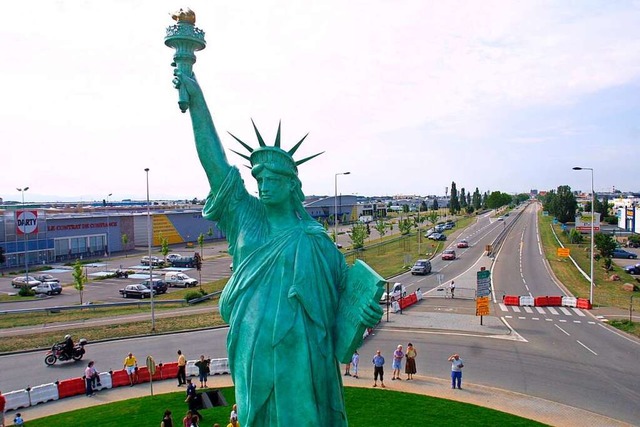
point(172, 257)
point(396, 292)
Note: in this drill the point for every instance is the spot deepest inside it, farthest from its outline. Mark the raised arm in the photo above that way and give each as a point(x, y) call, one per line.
point(208, 145)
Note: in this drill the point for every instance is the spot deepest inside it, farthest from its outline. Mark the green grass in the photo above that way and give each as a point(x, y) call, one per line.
point(365, 408)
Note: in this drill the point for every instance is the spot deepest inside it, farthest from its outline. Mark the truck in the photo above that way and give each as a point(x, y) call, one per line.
point(179, 279)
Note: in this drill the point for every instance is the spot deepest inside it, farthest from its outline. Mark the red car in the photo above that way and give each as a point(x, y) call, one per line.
point(463, 244)
point(448, 254)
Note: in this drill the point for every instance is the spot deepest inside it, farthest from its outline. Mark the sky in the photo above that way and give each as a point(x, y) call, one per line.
point(407, 96)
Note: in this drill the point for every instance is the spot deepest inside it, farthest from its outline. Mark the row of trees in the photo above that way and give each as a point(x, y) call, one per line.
point(468, 202)
point(562, 204)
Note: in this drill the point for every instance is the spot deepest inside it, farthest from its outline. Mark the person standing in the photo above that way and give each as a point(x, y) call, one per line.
point(203, 370)
point(456, 370)
point(130, 365)
point(192, 399)
point(167, 420)
point(452, 288)
point(182, 369)
point(355, 359)
point(398, 355)
point(378, 369)
point(88, 379)
point(3, 403)
point(410, 365)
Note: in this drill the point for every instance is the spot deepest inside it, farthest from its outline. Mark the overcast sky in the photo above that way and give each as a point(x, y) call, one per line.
point(406, 95)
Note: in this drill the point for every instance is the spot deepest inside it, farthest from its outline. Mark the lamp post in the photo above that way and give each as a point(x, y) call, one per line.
point(26, 241)
point(106, 246)
point(593, 197)
point(153, 317)
point(335, 206)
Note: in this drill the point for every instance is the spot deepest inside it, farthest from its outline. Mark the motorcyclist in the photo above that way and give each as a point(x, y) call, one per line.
point(67, 346)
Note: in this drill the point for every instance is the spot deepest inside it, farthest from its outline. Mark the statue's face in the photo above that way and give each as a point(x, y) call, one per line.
point(273, 189)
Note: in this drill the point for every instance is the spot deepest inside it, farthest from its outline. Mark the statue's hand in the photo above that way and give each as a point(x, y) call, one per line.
point(188, 82)
point(372, 314)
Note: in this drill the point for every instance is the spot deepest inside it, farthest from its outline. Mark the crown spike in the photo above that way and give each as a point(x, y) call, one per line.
point(260, 140)
point(299, 162)
point(295, 147)
point(241, 155)
point(277, 143)
point(249, 149)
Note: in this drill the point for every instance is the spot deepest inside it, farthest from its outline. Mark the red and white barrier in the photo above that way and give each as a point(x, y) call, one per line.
point(43, 393)
point(17, 399)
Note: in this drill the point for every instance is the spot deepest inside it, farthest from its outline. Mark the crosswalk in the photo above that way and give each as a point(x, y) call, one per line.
point(548, 314)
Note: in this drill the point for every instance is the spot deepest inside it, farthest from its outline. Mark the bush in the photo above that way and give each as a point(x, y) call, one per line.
point(26, 292)
point(194, 294)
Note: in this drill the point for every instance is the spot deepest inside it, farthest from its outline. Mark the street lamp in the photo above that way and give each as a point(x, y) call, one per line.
point(106, 246)
point(153, 317)
point(26, 241)
point(335, 206)
point(593, 197)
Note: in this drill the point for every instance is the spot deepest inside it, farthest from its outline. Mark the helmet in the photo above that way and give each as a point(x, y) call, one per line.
point(66, 337)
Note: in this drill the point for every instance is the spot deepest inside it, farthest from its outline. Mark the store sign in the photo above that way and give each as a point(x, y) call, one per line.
point(27, 222)
point(583, 222)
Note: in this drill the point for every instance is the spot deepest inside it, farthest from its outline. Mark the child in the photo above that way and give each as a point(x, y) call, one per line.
point(18, 421)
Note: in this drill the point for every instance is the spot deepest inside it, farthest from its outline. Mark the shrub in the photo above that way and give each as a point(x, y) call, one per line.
point(194, 294)
point(26, 292)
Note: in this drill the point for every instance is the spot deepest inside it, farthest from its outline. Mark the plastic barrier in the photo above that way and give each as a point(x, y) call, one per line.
point(44, 393)
point(541, 301)
point(419, 294)
point(105, 381)
point(143, 375)
point(408, 300)
point(192, 369)
point(583, 303)
point(511, 300)
point(569, 301)
point(17, 399)
point(169, 370)
point(219, 366)
point(119, 378)
point(395, 306)
point(69, 387)
point(526, 300)
point(555, 301)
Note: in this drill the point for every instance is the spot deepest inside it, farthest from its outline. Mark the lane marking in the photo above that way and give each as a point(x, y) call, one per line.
point(553, 311)
point(516, 309)
point(578, 311)
point(587, 348)
point(577, 321)
point(565, 311)
point(528, 309)
point(565, 332)
point(503, 307)
point(540, 310)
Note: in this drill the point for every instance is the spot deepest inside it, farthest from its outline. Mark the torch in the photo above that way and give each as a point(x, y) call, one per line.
point(186, 39)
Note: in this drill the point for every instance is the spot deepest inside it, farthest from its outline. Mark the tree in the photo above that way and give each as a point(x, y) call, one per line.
point(405, 208)
point(164, 244)
point(454, 203)
point(476, 199)
point(210, 232)
point(564, 204)
point(125, 241)
point(497, 199)
point(197, 260)
point(432, 217)
point(381, 227)
point(358, 234)
point(463, 198)
point(435, 206)
point(605, 244)
point(405, 225)
point(79, 279)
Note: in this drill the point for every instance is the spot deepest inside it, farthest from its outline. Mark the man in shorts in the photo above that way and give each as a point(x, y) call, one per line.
point(131, 365)
point(378, 369)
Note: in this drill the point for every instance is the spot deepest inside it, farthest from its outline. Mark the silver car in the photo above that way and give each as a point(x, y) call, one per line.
point(21, 281)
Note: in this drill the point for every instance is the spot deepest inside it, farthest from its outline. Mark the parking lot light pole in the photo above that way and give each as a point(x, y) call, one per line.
point(106, 246)
point(26, 241)
point(153, 317)
point(593, 199)
point(335, 206)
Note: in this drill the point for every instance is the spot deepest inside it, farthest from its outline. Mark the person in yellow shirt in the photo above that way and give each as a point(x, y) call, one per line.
point(131, 365)
point(182, 369)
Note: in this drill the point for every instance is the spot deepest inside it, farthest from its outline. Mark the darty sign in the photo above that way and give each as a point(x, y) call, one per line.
point(27, 222)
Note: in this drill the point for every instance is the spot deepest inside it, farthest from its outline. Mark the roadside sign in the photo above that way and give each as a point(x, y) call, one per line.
point(482, 306)
point(151, 365)
point(564, 252)
point(483, 288)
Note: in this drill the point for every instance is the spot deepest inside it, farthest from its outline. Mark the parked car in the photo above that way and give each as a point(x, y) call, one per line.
point(429, 232)
point(422, 266)
point(176, 278)
point(438, 236)
point(500, 218)
point(172, 257)
point(463, 244)
point(135, 291)
point(48, 288)
point(155, 261)
point(46, 278)
point(449, 225)
point(448, 254)
point(621, 253)
point(184, 262)
point(21, 281)
point(632, 269)
point(440, 228)
point(159, 285)
point(396, 292)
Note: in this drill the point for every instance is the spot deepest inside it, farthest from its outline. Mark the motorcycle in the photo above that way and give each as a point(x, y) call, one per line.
point(121, 274)
point(57, 353)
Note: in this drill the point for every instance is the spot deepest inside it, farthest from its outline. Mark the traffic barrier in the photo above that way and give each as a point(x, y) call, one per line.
point(526, 300)
point(219, 366)
point(119, 378)
point(143, 375)
point(104, 381)
point(541, 301)
point(395, 306)
point(419, 294)
point(408, 300)
point(583, 303)
point(192, 369)
point(69, 387)
point(555, 301)
point(511, 300)
point(43, 393)
point(17, 399)
point(569, 301)
point(169, 370)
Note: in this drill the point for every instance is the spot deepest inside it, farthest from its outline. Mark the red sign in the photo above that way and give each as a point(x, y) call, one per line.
point(587, 228)
point(27, 222)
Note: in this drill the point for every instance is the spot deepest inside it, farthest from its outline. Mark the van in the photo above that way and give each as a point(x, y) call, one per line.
point(422, 266)
point(179, 279)
point(183, 262)
point(49, 288)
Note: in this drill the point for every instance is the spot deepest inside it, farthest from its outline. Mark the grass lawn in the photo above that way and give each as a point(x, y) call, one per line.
point(365, 408)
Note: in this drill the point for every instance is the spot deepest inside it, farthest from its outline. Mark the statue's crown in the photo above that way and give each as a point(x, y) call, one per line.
point(274, 156)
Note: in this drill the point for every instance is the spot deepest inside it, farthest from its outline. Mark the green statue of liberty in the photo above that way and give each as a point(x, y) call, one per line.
point(282, 300)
